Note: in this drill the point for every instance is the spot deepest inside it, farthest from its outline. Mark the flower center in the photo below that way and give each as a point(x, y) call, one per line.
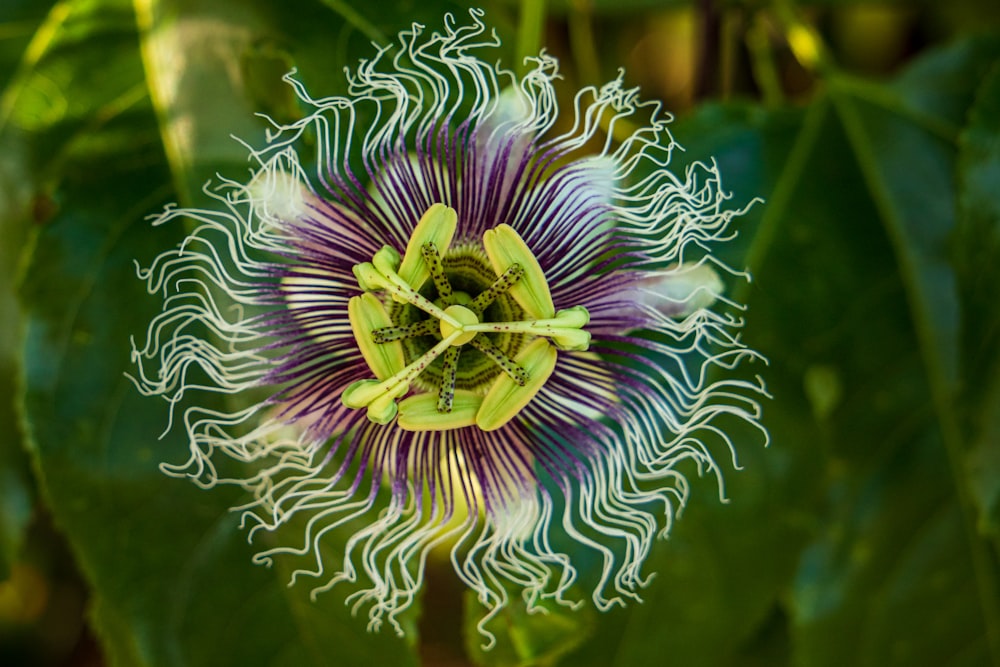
point(455, 321)
point(467, 273)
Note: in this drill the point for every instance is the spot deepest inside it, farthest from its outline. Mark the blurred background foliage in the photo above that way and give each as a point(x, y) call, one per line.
point(867, 534)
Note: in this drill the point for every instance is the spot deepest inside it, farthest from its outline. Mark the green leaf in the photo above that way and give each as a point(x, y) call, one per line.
point(898, 534)
point(977, 256)
point(847, 541)
point(194, 53)
point(171, 572)
point(19, 21)
point(908, 173)
point(541, 637)
point(940, 89)
point(720, 574)
point(888, 582)
point(16, 485)
point(909, 166)
point(22, 201)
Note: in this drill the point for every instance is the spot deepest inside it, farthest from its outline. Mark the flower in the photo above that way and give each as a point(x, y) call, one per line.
point(462, 321)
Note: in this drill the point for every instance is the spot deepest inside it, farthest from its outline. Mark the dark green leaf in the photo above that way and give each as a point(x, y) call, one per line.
point(856, 303)
point(522, 639)
point(19, 21)
point(977, 254)
point(16, 487)
point(171, 572)
point(898, 534)
point(940, 89)
point(20, 202)
point(719, 575)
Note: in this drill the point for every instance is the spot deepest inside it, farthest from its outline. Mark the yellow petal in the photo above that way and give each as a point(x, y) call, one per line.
point(437, 226)
point(367, 314)
point(506, 398)
point(419, 412)
point(505, 248)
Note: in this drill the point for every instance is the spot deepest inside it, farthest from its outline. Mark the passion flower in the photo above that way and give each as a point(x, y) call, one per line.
point(446, 318)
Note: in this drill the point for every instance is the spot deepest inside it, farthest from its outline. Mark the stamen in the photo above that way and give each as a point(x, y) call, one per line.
point(436, 268)
point(506, 398)
point(379, 397)
point(446, 392)
point(499, 286)
point(508, 365)
point(380, 273)
point(505, 247)
point(436, 226)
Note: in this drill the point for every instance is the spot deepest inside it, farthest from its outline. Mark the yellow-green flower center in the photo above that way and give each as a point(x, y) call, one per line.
point(455, 321)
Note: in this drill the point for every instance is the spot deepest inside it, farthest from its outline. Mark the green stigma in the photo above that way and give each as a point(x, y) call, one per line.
point(474, 332)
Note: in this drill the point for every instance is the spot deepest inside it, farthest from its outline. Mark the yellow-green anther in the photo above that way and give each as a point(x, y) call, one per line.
point(383, 409)
point(576, 340)
point(436, 267)
point(419, 412)
point(449, 369)
point(372, 394)
point(386, 262)
point(576, 317)
point(506, 364)
point(369, 279)
point(367, 315)
point(363, 392)
point(506, 398)
point(505, 248)
point(437, 226)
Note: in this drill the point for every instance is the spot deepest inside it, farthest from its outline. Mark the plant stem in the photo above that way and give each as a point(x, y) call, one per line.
point(529, 31)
